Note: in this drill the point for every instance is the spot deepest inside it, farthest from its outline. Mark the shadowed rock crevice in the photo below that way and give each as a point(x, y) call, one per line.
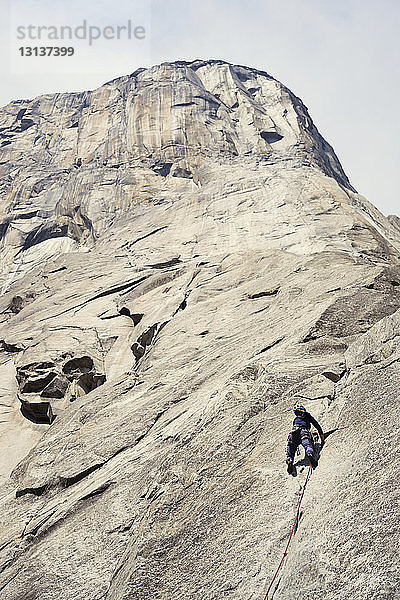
point(20, 125)
point(148, 337)
point(143, 237)
point(67, 227)
point(182, 171)
point(78, 365)
point(122, 289)
point(262, 294)
point(125, 312)
point(4, 226)
point(38, 491)
point(162, 169)
point(115, 289)
point(100, 490)
point(10, 348)
point(90, 381)
point(183, 304)
point(82, 370)
point(18, 303)
point(335, 377)
point(77, 376)
point(166, 264)
point(144, 340)
point(68, 481)
point(35, 376)
point(44, 183)
point(56, 388)
point(271, 345)
point(135, 317)
point(271, 136)
point(38, 412)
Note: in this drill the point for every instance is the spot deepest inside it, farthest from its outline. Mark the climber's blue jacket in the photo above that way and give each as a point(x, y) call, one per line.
point(305, 421)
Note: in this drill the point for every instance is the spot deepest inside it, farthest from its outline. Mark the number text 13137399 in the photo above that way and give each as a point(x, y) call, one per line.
point(46, 51)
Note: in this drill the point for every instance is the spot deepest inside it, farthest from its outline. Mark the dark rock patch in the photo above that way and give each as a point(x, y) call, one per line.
point(162, 169)
point(275, 343)
point(335, 377)
point(271, 136)
point(4, 228)
point(136, 317)
point(35, 384)
point(45, 183)
point(167, 263)
point(38, 491)
point(139, 347)
point(67, 481)
point(26, 124)
point(42, 233)
point(37, 412)
point(18, 303)
point(262, 294)
point(90, 381)
point(242, 75)
point(138, 350)
point(82, 370)
point(182, 172)
point(56, 388)
point(180, 104)
point(77, 366)
point(11, 348)
point(33, 378)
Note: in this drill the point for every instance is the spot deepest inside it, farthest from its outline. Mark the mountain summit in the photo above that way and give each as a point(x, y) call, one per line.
point(182, 259)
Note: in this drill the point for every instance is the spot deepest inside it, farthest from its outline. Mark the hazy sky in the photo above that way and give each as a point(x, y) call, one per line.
point(340, 57)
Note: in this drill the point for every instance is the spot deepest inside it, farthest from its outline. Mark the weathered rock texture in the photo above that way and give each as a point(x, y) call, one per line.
point(181, 255)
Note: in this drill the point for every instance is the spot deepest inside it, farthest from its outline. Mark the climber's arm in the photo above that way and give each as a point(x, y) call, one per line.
point(317, 427)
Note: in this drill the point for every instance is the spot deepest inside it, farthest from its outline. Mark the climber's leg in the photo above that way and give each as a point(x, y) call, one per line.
point(292, 443)
point(307, 443)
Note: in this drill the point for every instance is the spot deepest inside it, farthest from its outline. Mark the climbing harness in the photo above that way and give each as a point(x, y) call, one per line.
point(296, 519)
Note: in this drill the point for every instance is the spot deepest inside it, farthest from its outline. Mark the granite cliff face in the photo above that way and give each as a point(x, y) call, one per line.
point(181, 256)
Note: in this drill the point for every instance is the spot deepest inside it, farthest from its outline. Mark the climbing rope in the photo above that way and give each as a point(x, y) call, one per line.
point(296, 519)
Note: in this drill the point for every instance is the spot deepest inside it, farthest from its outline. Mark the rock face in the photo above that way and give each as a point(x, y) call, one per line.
point(182, 256)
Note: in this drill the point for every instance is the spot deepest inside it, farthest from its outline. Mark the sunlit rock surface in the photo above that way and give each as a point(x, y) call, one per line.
point(181, 255)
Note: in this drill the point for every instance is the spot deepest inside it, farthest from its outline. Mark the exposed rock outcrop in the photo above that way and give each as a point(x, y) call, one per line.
point(181, 255)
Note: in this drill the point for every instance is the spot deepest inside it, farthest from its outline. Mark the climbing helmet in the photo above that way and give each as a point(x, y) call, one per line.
point(299, 408)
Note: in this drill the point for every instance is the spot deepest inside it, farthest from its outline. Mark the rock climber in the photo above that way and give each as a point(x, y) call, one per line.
point(301, 434)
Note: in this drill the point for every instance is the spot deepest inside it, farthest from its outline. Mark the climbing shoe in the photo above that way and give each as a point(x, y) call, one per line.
point(313, 462)
point(290, 467)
